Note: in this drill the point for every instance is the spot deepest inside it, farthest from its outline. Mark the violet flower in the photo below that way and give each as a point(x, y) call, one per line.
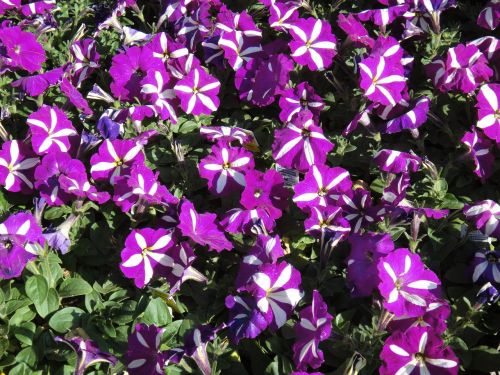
point(434, 317)
point(17, 165)
point(22, 49)
point(160, 91)
point(163, 47)
point(247, 221)
point(226, 134)
point(198, 92)
point(195, 346)
point(489, 18)
point(298, 99)
point(488, 107)
point(358, 209)
point(39, 83)
point(238, 49)
point(486, 266)
point(245, 320)
point(143, 356)
point(480, 151)
point(86, 60)
point(486, 217)
point(393, 161)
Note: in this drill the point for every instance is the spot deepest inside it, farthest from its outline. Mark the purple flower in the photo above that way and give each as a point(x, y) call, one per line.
point(86, 60)
point(114, 158)
point(20, 241)
point(145, 255)
point(327, 224)
point(225, 168)
point(417, 348)
point(358, 209)
point(87, 352)
point(301, 143)
point(382, 79)
point(393, 161)
point(486, 217)
point(238, 48)
point(183, 257)
point(283, 15)
point(366, 250)
point(489, 18)
point(227, 134)
point(356, 32)
point(321, 186)
point(395, 191)
point(488, 294)
point(73, 180)
point(202, 228)
point(108, 128)
point(22, 48)
point(406, 285)
point(39, 83)
point(315, 325)
point(161, 93)
point(228, 21)
point(313, 43)
point(198, 92)
point(6, 5)
point(413, 116)
point(298, 99)
point(17, 164)
point(50, 130)
point(195, 346)
point(382, 17)
point(245, 221)
point(37, 7)
point(195, 27)
point(434, 317)
point(486, 266)
point(75, 97)
point(276, 288)
point(488, 107)
point(143, 356)
point(480, 151)
point(245, 320)
point(163, 47)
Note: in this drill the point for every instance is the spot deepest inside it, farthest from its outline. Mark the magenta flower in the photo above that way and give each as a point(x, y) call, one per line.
point(226, 134)
point(356, 32)
point(245, 319)
point(488, 108)
point(489, 18)
point(382, 79)
point(283, 15)
point(393, 161)
point(239, 48)
point(358, 209)
point(198, 92)
point(161, 93)
point(248, 222)
point(366, 250)
point(301, 143)
point(50, 130)
point(114, 158)
point(321, 186)
point(434, 317)
point(38, 7)
point(86, 60)
point(480, 151)
point(6, 5)
point(163, 47)
point(298, 99)
point(202, 228)
point(17, 165)
point(228, 21)
point(486, 217)
point(144, 255)
point(225, 168)
point(486, 266)
point(143, 356)
point(395, 192)
point(406, 285)
point(413, 116)
point(417, 349)
point(37, 84)
point(75, 97)
point(315, 325)
point(276, 288)
point(327, 224)
point(313, 43)
point(22, 48)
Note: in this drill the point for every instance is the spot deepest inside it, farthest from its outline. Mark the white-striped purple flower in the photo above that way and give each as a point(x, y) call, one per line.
point(488, 110)
point(226, 134)
point(144, 255)
point(480, 150)
point(435, 317)
point(143, 356)
point(17, 165)
point(321, 186)
point(282, 15)
point(313, 43)
point(486, 266)
point(295, 100)
point(160, 92)
point(393, 161)
point(197, 92)
point(238, 48)
point(86, 60)
point(358, 209)
point(327, 223)
point(50, 130)
point(486, 217)
point(489, 18)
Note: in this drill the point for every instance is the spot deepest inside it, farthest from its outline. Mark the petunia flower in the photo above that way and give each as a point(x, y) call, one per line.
point(328, 224)
point(382, 79)
point(160, 91)
point(489, 18)
point(238, 48)
point(86, 60)
point(486, 217)
point(321, 186)
point(198, 92)
point(245, 321)
point(357, 35)
point(486, 266)
point(406, 285)
point(144, 255)
point(382, 17)
point(488, 109)
point(488, 295)
point(22, 49)
point(417, 349)
point(248, 221)
point(39, 83)
point(75, 97)
point(37, 7)
point(298, 99)
point(480, 150)
point(410, 116)
point(226, 134)
point(195, 26)
point(228, 21)
point(395, 191)
point(202, 228)
point(358, 209)
point(393, 161)
point(315, 325)
point(6, 5)
point(50, 130)
point(17, 165)
point(434, 317)
point(313, 43)
point(114, 158)
point(277, 290)
point(163, 47)
point(301, 143)
point(225, 168)
point(195, 346)
point(283, 15)
point(143, 355)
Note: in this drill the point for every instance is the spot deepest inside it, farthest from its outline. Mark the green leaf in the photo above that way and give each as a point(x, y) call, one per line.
point(157, 313)
point(37, 289)
point(51, 269)
point(24, 332)
point(66, 319)
point(485, 359)
point(50, 304)
point(74, 287)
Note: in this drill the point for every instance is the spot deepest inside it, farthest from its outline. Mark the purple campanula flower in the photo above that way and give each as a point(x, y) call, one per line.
point(315, 325)
point(160, 90)
point(277, 290)
point(198, 92)
point(406, 285)
point(486, 266)
point(486, 217)
point(114, 158)
point(227, 134)
point(382, 79)
point(143, 356)
point(366, 250)
point(87, 353)
point(321, 186)
point(17, 164)
point(50, 130)
point(22, 49)
point(488, 109)
point(75, 97)
point(327, 224)
point(301, 143)
point(245, 320)
point(39, 83)
point(202, 228)
point(265, 190)
point(480, 151)
point(418, 349)
point(434, 317)
point(225, 168)
point(144, 255)
point(358, 209)
point(489, 18)
point(238, 48)
point(86, 60)
point(298, 99)
point(245, 221)
point(393, 161)
point(21, 240)
point(313, 43)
